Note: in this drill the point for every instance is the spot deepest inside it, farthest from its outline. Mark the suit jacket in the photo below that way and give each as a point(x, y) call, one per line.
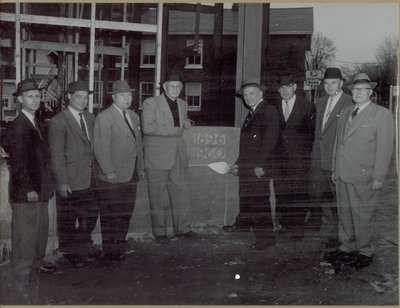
point(72, 154)
point(258, 141)
point(29, 162)
point(364, 148)
point(325, 139)
point(162, 142)
point(115, 148)
point(297, 134)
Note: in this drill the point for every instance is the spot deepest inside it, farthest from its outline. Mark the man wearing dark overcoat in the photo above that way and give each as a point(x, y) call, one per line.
point(255, 165)
point(294, 154)
point(31, 187)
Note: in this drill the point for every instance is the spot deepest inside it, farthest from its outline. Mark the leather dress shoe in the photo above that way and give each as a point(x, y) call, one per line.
point(261, 245)
point(340, 257)
point(362, 261)
point(161, 239)
point(47, 267)
point(189, 234)
point(75, 260)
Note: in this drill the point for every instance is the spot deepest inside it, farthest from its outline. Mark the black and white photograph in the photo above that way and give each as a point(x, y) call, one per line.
point(183, 153)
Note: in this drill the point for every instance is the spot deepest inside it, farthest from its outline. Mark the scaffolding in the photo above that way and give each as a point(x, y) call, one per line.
point(21, 44)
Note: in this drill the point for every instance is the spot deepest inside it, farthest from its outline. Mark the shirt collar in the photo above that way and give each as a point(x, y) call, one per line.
point(75, 112)
point(29, 115)
point(291, 100)
point(119, 109)
point(253, 108)
point(362, 106)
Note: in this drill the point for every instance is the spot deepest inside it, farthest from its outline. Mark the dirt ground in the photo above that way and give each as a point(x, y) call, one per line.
point(218, 268)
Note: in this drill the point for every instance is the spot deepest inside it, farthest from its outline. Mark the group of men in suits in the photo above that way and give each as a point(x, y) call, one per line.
point(335, 153)
point(93, 166)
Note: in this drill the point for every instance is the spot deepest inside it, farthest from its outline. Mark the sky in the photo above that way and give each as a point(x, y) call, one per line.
point(356, 29)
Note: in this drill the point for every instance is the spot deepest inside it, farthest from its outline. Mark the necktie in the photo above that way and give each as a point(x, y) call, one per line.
point(327, 111)
point(83, 126)
point(354, 113)
point(286, 112)
point(248, 118)
point(38, 128)
point(127, 123)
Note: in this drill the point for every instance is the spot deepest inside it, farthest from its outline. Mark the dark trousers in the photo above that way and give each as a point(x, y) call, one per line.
point(29, 232)
point(325, 196)
point(255, 211)
point(117, 202)
point(76, 218)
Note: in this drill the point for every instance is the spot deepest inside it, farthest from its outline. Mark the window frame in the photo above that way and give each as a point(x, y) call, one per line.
point(191, 107)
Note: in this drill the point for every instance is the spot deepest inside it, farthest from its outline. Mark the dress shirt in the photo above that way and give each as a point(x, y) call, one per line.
point(290, 103)
point(30, 116)
point(173, 106)
point(75, 114)
point(122, 115)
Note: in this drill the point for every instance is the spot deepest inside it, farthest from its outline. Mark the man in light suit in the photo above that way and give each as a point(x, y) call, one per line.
point(164, 121)
point(72, 158)
point(118, 150)
point(321, 188)
point(294, 153)
point(361, 159)
point(31, 187)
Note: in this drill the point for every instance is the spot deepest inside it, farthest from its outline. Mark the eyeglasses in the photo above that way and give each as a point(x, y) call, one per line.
point(360, 89)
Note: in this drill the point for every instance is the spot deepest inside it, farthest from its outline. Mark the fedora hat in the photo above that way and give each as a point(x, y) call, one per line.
point(79, 85)
point(286, 81)
point(173, 77)
point(363, 78)
point(26, 85)
point(119, 86)
point(333, 73)
point(247, 84)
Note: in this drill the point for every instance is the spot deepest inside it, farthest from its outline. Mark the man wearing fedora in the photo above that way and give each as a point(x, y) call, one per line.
point(31, 186)
point(255, 165)
point(72, 160)
point(321, 188)
point(118, 150)
point(361, 159)
point(294, 152)
point(164, 121)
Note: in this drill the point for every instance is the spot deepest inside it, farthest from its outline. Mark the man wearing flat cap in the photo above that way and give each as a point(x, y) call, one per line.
point(321, 188)
point(294, 153)
point(119, 153)
point(31, 186)
point(361, 159)
point(164, 121)
point(255, 165)
point(72, 160)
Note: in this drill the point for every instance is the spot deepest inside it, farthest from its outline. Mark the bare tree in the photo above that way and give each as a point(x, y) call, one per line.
point(387, 58)
point(322, 51)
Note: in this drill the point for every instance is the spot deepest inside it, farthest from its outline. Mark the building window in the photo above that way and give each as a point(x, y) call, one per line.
point(193, 95)
point(146, 90)
point(196, 59)
point(148, 53)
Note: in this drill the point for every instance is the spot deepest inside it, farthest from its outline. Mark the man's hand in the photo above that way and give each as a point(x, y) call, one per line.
point(376, 185)
point(141, 175)
point(64, 190)
point(32, 196)
point(188, 123)
point(259, 172)
point(111, 178)
point(234, 169)
point(333, 178)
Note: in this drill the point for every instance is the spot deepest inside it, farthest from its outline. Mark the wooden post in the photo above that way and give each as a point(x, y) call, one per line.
point(123, 45)
point(17, 43)
point(250, 48)
point(160, 43)
point(91, 57)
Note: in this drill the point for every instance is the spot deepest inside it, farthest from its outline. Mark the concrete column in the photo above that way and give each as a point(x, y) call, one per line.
point(251, 44)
